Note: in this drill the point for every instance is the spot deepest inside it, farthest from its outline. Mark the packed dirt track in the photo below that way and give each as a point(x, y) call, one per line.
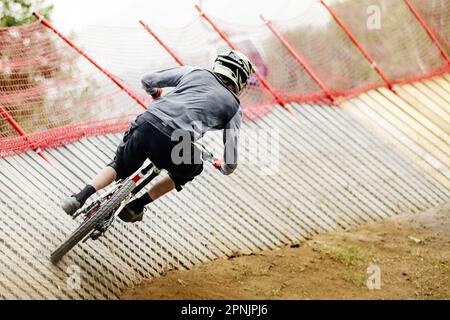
point(412, 253)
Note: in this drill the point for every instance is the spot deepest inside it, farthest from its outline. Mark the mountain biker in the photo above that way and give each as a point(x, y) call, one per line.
point(200, 101)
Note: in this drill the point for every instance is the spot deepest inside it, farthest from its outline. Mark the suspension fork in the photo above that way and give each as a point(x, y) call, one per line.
point(156, 171)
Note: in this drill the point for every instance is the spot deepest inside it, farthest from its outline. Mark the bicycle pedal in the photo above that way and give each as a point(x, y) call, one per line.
point(95, 234)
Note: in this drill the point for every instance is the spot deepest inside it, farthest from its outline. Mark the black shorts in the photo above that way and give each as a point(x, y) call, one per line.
point(143, 141)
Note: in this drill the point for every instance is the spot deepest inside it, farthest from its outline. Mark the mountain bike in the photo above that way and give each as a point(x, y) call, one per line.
point(100, 215)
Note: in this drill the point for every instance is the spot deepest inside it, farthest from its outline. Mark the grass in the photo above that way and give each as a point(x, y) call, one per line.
point(244, 270)
point(348, 255)
point(262, 271)
point(272, 292)
point(357, 279)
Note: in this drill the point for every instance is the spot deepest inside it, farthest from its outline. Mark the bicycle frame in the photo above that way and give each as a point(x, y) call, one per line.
point(142, 178)
point(100, 214)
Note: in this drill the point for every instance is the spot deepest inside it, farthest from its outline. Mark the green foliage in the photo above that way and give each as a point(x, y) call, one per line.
point(18, 12)
point(35, 66)
point(348, 255)
point(401, 47)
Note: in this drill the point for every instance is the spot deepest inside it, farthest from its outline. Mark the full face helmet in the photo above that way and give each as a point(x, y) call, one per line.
point(236, 67)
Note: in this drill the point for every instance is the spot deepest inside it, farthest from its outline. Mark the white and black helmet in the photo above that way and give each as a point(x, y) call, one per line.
point(235, 66)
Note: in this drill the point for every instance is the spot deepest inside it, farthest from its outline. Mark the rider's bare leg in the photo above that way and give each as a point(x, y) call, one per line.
point(104, 178)
point(134, 210)
point(108, 175)
point(161, 188)
point(157, 190)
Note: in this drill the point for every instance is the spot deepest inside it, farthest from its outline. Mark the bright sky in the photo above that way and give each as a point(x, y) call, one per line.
point(172, 12)
point(113, 50)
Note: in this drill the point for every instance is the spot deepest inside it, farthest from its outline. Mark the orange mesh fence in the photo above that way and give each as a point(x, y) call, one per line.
point(437, 14)
point(199, 46)
point(56, 96)
point(52, 92)
point(273, 60)
point(329, 52)
point(399, 44)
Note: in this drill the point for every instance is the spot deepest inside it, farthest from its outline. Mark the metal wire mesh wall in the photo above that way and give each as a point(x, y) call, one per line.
point(56, 96)
point(374, 156)
point(334, 172)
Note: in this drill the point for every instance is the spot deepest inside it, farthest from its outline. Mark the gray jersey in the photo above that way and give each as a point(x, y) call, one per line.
point(198, 103)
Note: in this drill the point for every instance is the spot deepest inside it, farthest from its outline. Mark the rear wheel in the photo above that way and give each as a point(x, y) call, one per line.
point(87, 226)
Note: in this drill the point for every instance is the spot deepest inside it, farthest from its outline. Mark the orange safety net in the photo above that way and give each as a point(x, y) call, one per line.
point(56, 96)
point(400, 45)
point(437, 15)
point(53, 94)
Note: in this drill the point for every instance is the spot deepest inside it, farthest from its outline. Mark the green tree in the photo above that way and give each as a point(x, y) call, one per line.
point(39, 86)
point(18, 12)
point(401, 48)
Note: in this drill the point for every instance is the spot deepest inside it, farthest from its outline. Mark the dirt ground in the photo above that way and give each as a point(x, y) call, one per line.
point(412, 253)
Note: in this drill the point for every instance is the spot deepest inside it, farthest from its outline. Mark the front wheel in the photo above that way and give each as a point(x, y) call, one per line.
point(87, 226)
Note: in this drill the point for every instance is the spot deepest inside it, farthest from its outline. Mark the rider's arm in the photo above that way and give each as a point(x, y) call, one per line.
point(163, 79)
point(231, 142)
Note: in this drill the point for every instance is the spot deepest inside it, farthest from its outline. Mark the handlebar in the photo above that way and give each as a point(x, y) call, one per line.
point(208, 156)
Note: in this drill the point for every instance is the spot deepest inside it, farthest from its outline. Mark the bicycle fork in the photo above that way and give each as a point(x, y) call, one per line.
point(105, 225)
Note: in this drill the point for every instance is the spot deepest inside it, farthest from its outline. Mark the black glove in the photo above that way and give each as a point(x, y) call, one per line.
point(157, 94)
